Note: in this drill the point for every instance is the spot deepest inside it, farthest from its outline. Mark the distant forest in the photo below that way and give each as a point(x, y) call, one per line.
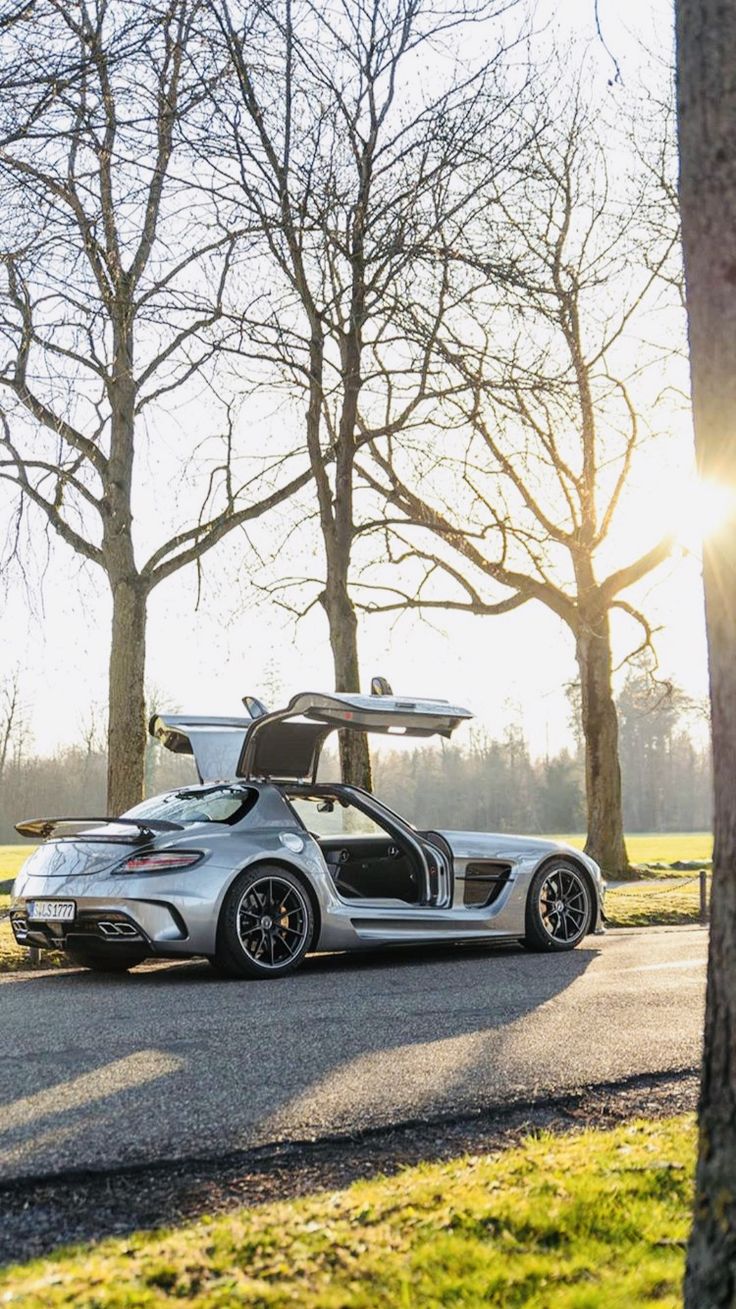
point(484, 783)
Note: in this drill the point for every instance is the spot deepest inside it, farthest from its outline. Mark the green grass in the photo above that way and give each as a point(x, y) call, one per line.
point(16, 959)
point(667, 902)
point(664, 902)
point(12, 957)
point(659, 847)
point(11, 858)
point(569, 1222)
point(669, 847)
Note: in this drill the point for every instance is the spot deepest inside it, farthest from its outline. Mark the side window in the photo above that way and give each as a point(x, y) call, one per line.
point(324, 816)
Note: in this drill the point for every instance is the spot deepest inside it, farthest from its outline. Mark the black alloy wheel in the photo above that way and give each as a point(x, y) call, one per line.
point(266, 924)
point(559, 908)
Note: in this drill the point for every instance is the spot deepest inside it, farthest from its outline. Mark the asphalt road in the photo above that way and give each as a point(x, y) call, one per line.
point(169, 1062)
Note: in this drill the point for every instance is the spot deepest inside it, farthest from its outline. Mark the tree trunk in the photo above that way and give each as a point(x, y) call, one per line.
point(711, 1267)
point(9, 724)
point(355, 759)
point(706, 58)
point(126, 733)
point(126, 730)
point(605, 841)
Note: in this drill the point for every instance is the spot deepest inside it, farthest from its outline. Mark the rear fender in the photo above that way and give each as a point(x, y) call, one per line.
point(278, 861)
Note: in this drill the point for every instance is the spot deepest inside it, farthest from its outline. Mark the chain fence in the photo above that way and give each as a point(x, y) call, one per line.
point(674, 884)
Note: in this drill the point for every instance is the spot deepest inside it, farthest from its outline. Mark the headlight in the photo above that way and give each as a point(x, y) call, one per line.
point(160, 861)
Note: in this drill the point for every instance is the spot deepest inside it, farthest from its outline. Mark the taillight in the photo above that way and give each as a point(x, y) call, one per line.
point(159, 861)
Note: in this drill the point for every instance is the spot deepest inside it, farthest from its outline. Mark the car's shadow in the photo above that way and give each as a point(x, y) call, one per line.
point(172, 971)
point(337, 963)
point(172, 1062)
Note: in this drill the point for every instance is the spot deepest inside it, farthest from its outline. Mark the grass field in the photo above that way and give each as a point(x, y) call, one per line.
point(673, 898)
point(12, 957)
point(569, 1222)
point(11, 858)
point(664, 902)
point(659, 847)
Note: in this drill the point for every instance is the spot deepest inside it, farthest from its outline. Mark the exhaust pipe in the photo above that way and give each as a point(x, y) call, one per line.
point(116, 930)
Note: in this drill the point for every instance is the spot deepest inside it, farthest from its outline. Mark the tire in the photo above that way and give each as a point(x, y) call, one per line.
point(99, 960)
point(266, 924)
point(559, 908)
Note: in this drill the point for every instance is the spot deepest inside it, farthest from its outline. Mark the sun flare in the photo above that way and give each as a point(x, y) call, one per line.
point(706, 508)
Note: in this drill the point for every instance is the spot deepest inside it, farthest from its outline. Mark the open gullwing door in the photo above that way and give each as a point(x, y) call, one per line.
point(285, 746)
point(216, 743)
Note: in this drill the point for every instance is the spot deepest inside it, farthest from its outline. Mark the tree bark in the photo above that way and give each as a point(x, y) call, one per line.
point(706, 59)
point(711, 1267)
point(605, 842)
point(126, 735)
point(355, 759)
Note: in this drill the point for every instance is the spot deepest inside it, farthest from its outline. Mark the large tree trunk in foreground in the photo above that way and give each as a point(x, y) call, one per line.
point(711, 1273)
point(605, 841)
point(706, 64)
point(126, 733)
point(355, 759)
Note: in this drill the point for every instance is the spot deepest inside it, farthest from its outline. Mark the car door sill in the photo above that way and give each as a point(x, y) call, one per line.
point(430, 923)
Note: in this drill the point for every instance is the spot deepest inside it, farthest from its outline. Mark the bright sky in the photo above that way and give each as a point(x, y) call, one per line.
point(512, 668)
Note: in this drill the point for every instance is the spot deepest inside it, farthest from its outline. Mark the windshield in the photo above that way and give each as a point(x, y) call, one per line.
point(209, 804)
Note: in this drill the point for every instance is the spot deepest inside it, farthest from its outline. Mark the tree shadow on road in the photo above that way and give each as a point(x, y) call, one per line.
point(172, 1063)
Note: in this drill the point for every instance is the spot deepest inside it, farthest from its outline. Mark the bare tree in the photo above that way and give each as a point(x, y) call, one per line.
point(346, 150)
point(527, 486)
point(706, 57)
point(112, 312)
point(11, 719)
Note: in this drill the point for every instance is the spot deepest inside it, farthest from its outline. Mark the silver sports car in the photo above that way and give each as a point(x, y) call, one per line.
point(261, 864)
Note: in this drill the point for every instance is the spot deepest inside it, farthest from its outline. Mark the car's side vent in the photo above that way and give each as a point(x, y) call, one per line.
point(484, 882)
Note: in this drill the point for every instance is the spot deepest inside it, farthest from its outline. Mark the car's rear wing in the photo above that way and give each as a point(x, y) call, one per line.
point(42, 828)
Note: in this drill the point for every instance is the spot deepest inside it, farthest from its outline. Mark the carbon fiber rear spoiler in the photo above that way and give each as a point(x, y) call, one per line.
point(147, 827)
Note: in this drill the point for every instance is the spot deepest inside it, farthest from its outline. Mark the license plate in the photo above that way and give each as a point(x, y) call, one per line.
point(52, 910)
